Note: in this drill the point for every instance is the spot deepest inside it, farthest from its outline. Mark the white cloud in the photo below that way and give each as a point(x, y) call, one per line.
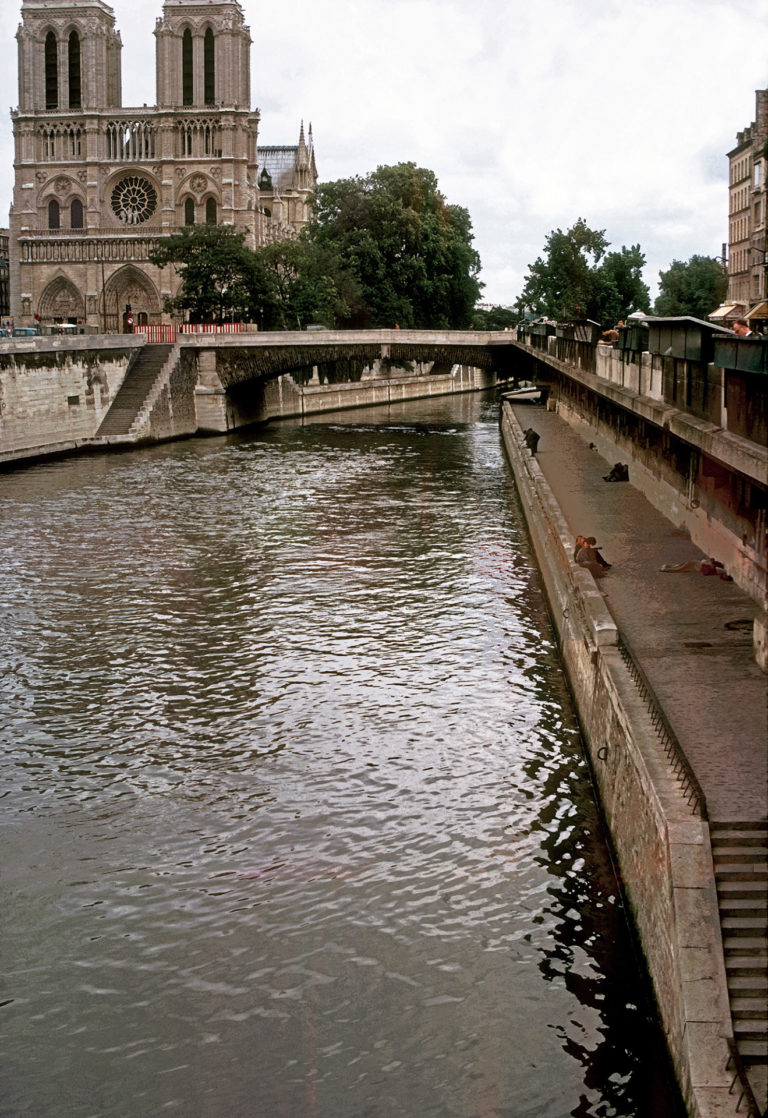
point(530, 115)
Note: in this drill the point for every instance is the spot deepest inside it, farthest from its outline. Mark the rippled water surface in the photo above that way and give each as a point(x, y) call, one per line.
point(296, 820)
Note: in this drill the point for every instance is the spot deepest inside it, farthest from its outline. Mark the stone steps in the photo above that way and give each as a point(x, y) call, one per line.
point(134, 390)
point(740, 855)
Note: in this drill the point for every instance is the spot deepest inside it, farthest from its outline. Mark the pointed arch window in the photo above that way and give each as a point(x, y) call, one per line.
point(76, 214)
point(210, 211)
point(75, 100)
point(209, 68)
point(54, 214)
point(187, 71)
point(51, 72)
point(189, 211)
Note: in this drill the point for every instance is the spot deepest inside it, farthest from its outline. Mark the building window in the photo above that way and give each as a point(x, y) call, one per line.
point(210, 211)
point(209, 68)
point(74, 137)
point(186, 68)
point(54, 216)
point(189, 212)
point(51, 72)
point(76, 214)
point(74, 71)
point(134, 200)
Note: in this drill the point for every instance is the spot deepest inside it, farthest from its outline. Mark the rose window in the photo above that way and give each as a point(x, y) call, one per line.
point(134, 200)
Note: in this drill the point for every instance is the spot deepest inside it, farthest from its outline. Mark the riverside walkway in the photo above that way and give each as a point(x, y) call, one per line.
point(692, 638)
point(683, 629)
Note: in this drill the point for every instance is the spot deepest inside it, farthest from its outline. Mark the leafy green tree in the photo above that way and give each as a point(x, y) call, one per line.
point(494, 318)
point(304, 283)
point(618, 287)
point(408, 251)
point(216, 269)
point(561, 284)
point(695, 287)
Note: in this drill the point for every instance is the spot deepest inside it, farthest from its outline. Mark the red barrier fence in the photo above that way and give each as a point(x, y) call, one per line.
point(157, 333)
point(212, 328)
point(161, 333)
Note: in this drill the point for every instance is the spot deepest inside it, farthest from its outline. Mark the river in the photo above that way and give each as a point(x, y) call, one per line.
point(297, 821)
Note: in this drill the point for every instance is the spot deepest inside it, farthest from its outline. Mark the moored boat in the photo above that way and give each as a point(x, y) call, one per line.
point(524, 392)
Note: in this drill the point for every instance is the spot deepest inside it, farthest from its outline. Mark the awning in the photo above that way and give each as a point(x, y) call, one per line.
point(731, 310)
point(760, 310)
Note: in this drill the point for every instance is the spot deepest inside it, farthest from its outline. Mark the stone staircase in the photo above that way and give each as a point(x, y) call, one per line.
point(134, 390)
point(740, 852)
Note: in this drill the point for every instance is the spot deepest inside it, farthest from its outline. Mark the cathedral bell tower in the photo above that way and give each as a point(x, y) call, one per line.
point(69, 56)
point(203, 55)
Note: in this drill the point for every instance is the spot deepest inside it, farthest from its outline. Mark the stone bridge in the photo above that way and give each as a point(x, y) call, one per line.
point(236, 359)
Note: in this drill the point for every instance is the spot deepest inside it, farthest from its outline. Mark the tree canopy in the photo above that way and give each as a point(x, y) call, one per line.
point(695, 287)
point(286, 284)
point(216, 270)
point(494, 317)
point(408, 251)
point(382, 250)
point(577, 278)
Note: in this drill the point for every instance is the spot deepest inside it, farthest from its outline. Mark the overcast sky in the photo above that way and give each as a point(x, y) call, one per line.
point(531, 114)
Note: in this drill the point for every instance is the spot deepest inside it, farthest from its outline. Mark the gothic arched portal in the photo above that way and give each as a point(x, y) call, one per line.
point(129, 287)
point(61, 302)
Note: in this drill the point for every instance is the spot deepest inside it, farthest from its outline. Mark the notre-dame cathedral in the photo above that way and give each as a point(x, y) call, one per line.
point(96, 183)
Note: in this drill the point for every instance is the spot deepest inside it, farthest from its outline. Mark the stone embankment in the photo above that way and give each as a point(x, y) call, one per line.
point(59, 395)
point(653, 801)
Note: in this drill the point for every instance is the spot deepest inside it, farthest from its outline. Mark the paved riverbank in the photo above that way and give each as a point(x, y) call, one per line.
point(696, 888)
point(690, 633)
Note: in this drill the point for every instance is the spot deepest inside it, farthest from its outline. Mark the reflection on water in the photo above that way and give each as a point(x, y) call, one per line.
point(296, 817)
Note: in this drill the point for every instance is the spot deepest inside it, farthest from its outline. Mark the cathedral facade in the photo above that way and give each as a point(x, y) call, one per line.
point(96, 184)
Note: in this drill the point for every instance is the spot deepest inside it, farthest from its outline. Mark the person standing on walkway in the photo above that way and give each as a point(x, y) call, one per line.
point(531, 440)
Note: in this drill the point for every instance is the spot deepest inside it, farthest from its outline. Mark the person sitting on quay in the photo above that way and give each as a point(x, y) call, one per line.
point(619, 472)
point(591, 542)
point(588, 556)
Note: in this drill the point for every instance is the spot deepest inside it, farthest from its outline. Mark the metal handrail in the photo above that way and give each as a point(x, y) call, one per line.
point(674, 751)
point(746, 1087)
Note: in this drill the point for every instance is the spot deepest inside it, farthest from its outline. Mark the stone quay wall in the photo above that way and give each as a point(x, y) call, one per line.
point(662, 845)
point(394, 387)
point(54, 392)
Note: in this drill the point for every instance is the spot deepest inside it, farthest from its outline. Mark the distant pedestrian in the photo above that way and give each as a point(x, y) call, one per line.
point(531, 440)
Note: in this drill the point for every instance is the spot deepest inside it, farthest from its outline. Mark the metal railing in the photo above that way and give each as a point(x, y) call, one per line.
point(673, 749)
point(740, 1076)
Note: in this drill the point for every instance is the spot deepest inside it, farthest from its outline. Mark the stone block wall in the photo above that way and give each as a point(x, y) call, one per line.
point(54, 392)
